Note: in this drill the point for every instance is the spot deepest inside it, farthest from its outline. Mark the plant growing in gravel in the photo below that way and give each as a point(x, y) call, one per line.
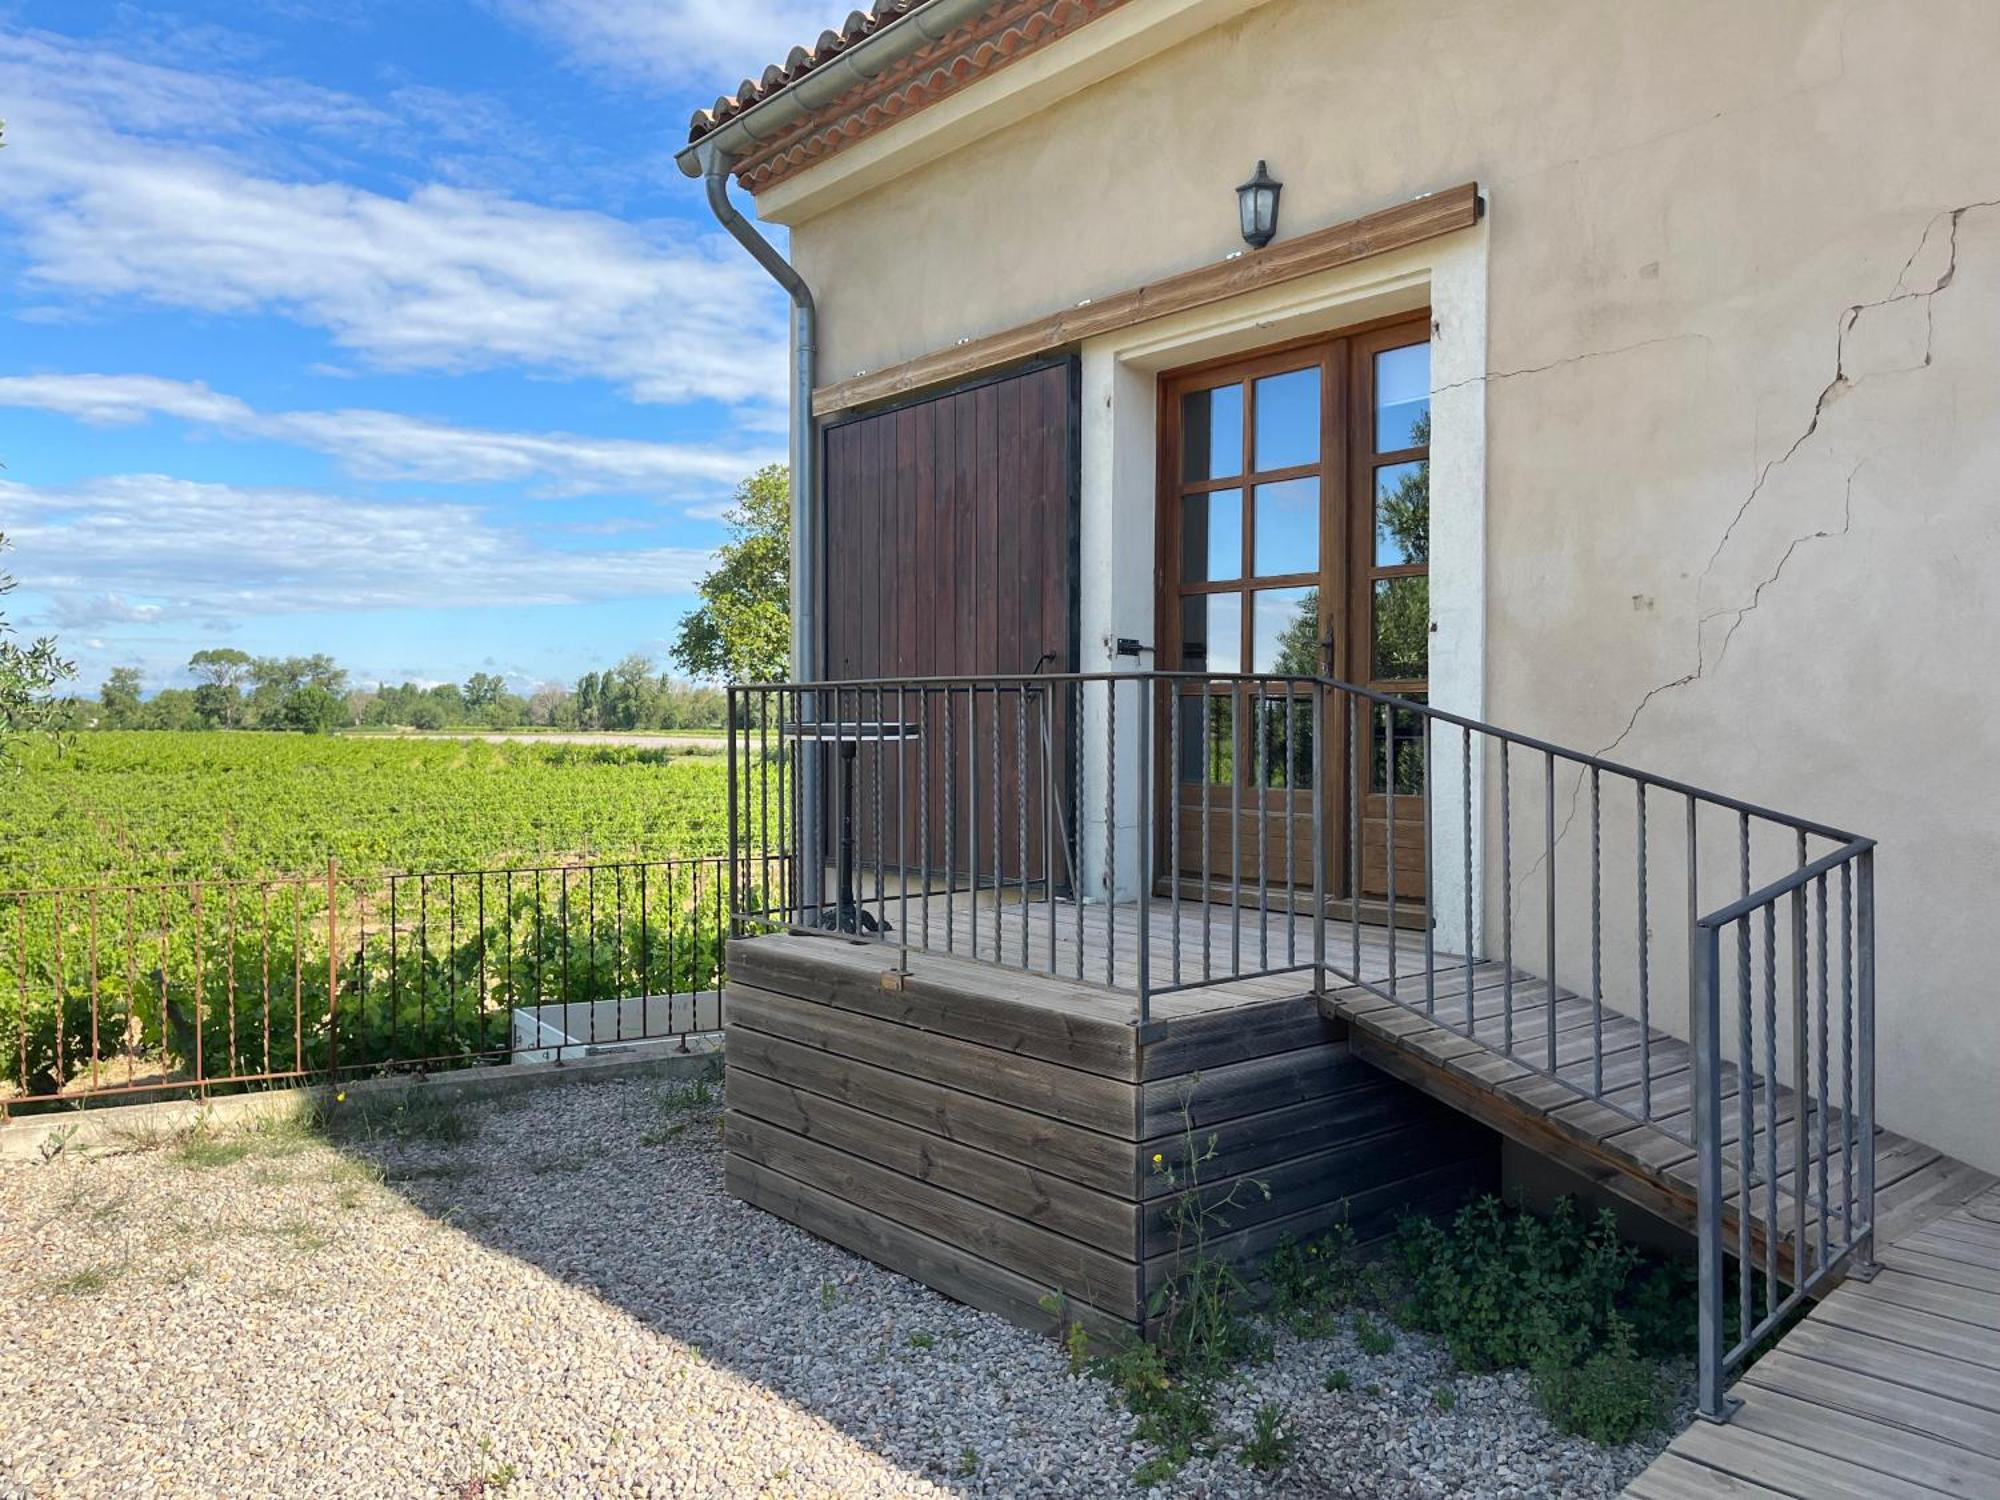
point(922, 1340)
point(1338, 1380)
point(85, 1283)
point(968, 1462)
point(1270, 1442)
point(1613, 1396)
point(1314, 1281)
point(1510, 1288)
point(1506, 1287)
point(1201, 1331)
point(1374, 1338)
point(1444, 1398)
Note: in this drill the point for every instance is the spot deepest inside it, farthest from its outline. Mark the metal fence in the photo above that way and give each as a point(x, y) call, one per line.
point(1154, 832)
point(111, 993)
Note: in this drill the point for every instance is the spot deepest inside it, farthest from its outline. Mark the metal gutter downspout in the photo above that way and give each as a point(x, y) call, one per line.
point(804, 457)
point(715, 168)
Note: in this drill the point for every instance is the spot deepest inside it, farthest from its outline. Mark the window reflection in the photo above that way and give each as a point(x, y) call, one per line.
point(1283, 743)
point(1212, 537)
point(1409, 736)
point(1402, 398)
point(1285, 631)
point(1207, 749)
point(1212, 434)
point(1288, 420)
point(1212, 633)
point(1288, 527)
point(1403, 513)
point(1402, 628)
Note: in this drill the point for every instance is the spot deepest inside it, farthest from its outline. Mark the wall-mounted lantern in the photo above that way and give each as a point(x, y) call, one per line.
point(1257, 203)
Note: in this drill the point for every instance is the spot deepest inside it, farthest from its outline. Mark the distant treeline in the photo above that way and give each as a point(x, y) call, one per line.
point(313, 695)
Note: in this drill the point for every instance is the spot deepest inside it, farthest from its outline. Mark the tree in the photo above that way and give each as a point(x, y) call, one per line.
point(742, 630)
point(27, 673)
point(223, 670)
point(120, 698)
point(483, 690)
point(312, 709)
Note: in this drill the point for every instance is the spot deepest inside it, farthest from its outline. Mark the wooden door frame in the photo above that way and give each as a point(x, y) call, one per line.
point(1346, 534)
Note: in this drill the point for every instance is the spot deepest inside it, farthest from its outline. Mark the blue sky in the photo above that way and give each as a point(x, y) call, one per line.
point(385, 328)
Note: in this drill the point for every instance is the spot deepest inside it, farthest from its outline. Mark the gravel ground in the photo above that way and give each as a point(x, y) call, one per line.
point(553, 1296)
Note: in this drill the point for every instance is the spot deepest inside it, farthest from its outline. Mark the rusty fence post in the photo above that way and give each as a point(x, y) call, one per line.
point(333, 968)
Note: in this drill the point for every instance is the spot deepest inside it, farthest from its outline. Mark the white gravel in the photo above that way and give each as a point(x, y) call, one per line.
point(553, 1296)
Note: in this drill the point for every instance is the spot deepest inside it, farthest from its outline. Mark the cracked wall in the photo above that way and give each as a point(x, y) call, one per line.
point(1743, 473)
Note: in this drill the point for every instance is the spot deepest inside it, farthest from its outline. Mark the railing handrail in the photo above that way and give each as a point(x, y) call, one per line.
point(1582, 758)
point(1798, 879)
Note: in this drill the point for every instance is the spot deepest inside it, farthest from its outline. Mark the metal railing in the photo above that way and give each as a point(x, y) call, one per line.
point(163, 989)
point(1151, 832)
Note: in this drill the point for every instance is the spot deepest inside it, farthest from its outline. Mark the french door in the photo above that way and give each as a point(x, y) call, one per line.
point(1294, 541)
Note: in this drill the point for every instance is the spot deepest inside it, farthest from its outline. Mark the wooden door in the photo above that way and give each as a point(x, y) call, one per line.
point(1294, 539)
point(1253, 464)
point(951, 535)
point(1387, 635)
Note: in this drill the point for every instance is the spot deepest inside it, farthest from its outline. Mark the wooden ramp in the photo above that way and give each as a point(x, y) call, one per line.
point(1889, 1390)
point(1650, 1164)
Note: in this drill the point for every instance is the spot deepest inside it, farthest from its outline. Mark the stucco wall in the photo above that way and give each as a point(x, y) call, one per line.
point(1737, 531)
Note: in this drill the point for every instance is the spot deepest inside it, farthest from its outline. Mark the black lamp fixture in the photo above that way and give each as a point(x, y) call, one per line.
point(1257, 203)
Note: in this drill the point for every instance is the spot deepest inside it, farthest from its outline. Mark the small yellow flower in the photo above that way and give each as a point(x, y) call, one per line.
point(341, 1097)
point(1157, 1158)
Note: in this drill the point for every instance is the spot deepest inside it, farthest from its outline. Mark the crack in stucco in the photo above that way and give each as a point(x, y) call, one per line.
point(1491, 376)
point(1840, 382)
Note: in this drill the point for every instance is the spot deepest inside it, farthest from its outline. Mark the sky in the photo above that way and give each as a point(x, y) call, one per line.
point(384, 328)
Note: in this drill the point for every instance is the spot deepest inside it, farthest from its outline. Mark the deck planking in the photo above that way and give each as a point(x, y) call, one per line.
point(1889, 1387)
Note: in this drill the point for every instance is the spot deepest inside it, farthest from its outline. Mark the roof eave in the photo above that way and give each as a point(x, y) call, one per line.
point(851, 68)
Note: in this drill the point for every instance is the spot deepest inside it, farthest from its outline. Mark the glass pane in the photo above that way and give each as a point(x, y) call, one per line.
point(1402, 513)
point(1402, 629)
point(1402, 398)
point(1285, 631)
point(1283, 740)
point(1212, 434)
point(1212, 537)
point(1288, 420)
point(1208, 754)
point(1288, 527)
point(1212, 633)
point(1409, 750)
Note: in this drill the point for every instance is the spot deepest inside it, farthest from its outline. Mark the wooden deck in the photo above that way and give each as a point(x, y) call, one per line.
point(1889, 1390)
point(1650, 1164)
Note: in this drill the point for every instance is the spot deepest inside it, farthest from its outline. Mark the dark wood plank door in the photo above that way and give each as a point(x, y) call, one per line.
point(951, 533)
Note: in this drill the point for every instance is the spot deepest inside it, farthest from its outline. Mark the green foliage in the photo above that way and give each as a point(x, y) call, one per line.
point(1612, 1396)
point(1271, 1442)
point(742, 630)
point(1563, 1296)
point(1509, 1288)
point(1338, 1380)
point(1444, 1398)
point(27, 675)
point(1313, 1282)
point(183, 971)
point(1375, 1339)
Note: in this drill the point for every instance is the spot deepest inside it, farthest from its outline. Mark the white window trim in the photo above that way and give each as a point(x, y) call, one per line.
point(1120, 444)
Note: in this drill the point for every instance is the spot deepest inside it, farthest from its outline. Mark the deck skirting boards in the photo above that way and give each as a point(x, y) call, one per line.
point(993, 1133)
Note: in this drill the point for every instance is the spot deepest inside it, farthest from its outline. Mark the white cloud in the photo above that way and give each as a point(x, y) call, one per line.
point(111, 198)
point(391, 445)
point(111, 550)
point(711, 44)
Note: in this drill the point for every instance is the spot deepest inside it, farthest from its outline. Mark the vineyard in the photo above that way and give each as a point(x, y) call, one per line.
point(113, 808)
point(189, 910)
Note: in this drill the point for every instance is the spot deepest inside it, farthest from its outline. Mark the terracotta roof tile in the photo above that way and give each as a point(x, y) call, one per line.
point(801, 61)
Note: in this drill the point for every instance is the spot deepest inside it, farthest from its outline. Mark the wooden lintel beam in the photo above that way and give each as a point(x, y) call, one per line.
point(1337, 245)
